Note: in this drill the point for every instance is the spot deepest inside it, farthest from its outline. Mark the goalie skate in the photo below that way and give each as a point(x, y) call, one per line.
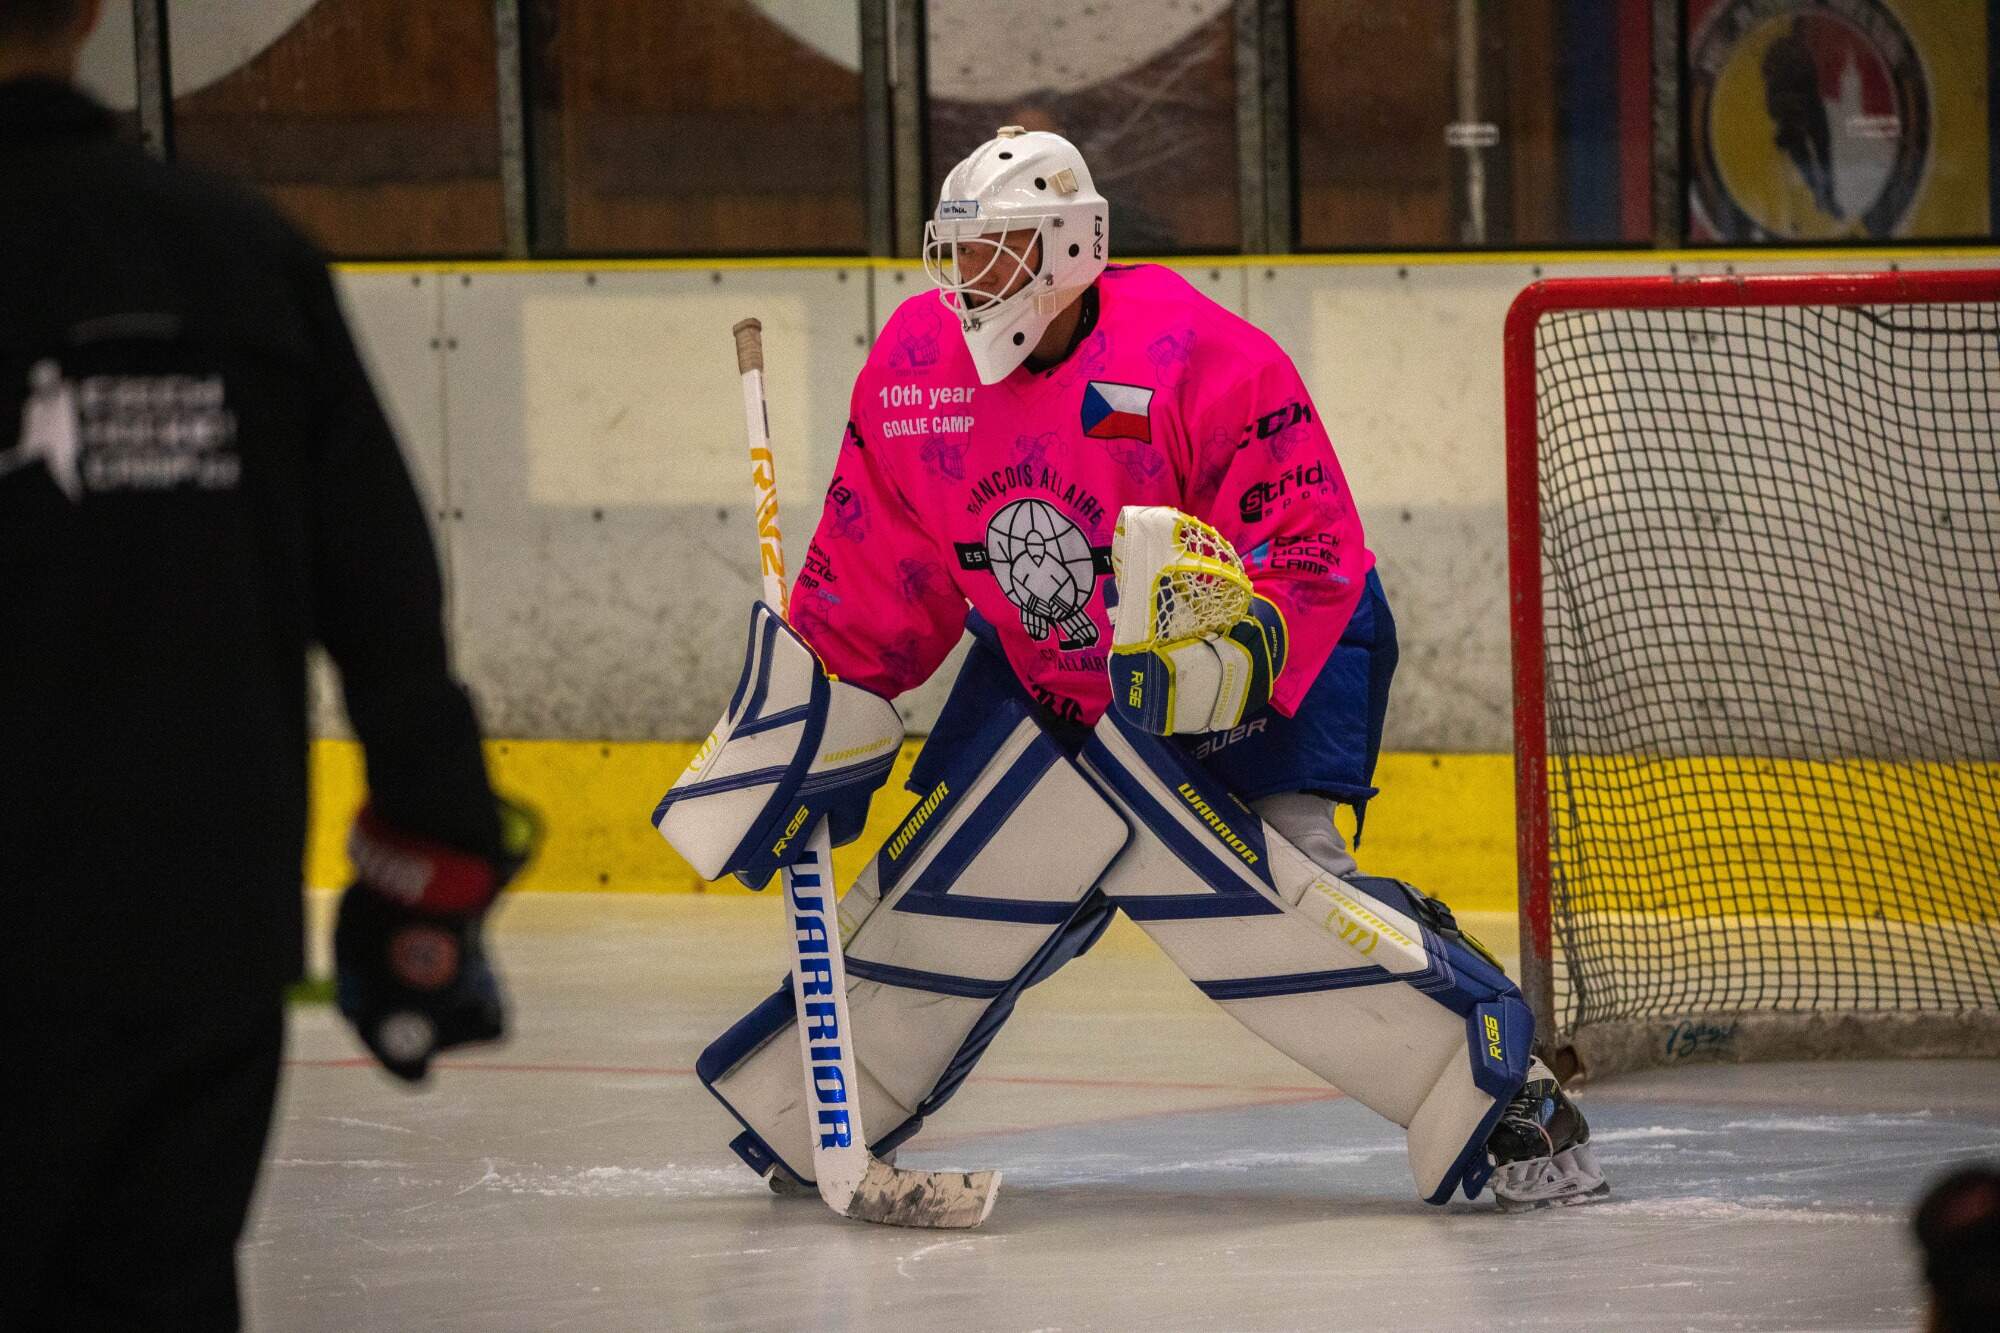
point(1541, 1150)
point(787, 1186)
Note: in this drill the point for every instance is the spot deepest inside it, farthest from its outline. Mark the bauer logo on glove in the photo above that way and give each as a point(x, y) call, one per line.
point(1194, 649)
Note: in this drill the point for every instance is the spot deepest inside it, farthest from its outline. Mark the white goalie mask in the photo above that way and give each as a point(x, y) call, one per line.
point(1020, 233)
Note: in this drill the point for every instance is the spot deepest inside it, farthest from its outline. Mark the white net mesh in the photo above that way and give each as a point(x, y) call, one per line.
point(1770, 576)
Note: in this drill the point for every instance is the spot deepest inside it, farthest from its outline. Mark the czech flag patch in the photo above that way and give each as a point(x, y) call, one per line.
point(1117, 411)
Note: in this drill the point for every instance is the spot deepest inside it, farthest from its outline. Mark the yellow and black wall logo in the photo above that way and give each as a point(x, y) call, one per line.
point(1836, 119)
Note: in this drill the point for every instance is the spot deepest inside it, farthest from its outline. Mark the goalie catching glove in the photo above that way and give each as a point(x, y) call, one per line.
point(1194, 648)
point(410, 966)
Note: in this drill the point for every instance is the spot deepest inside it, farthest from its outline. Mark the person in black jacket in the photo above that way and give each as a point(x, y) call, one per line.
point(1957, 1225)
point(196, 483)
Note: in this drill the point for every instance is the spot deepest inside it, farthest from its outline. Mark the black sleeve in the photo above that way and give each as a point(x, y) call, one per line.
point(379, 601)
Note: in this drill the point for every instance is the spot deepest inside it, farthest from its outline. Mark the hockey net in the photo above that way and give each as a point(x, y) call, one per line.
point(1755, 549)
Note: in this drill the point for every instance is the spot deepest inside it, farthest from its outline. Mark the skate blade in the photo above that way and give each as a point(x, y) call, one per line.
point(785, 1187)
point(1574, 1199)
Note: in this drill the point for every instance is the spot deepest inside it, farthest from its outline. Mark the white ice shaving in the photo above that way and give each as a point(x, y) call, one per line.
point(624, 1182)
point(1830, 1124)
point(1758, 1208)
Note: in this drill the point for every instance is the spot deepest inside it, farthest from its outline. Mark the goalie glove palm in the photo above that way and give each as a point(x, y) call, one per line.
point(1194, 648)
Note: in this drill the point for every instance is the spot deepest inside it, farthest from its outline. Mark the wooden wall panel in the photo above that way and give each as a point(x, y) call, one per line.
point(1527, 34)
point(372, 122)
point(1374, 92)
point(1160, 139)
point(1376, 88)
point(697, 128)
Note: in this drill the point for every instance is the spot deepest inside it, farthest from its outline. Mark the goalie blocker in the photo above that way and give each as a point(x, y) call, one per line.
point(974, 898)
point(795, 747)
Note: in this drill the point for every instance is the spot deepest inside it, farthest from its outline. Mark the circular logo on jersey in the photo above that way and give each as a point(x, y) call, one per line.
point(1046, 567)
point(1810, 119)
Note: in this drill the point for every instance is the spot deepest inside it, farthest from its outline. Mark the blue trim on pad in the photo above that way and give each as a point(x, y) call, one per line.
point(763, 686)
point(875, 769)
point(992, 814)
point(957, 775)
point(754, 778)
point(937, 983)
point(1173, 767)
point(965, 906)
point(1193, 852)
point(772, 1016)
point(749, 661)
point(782, 718)
point(1194, 906)
point(1296, 983)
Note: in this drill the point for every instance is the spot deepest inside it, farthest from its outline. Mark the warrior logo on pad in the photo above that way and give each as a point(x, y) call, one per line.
point(1117, 411)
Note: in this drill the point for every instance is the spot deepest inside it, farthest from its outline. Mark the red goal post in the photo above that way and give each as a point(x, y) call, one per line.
point(1692, 463)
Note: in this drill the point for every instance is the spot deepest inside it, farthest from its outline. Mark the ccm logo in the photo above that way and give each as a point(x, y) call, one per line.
point(791, 831)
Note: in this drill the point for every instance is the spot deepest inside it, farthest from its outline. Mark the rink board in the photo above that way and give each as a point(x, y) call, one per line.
point(576, 426)
point(1444, 822)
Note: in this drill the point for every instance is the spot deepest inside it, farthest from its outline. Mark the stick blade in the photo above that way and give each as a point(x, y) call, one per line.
point(945, 1200)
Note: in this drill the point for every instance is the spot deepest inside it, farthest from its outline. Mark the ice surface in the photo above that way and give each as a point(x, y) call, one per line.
point(1164, 1171)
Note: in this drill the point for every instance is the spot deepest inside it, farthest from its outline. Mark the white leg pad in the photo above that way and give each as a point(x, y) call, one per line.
point(1338, 974)
point(943, 930)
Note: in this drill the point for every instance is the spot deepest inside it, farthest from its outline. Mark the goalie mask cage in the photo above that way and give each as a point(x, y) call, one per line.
point(1755, 558)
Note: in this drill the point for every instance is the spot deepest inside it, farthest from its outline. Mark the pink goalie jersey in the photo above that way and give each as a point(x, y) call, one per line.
point(1005, 496)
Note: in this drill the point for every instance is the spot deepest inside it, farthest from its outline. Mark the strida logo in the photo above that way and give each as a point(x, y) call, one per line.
point(1268, 497)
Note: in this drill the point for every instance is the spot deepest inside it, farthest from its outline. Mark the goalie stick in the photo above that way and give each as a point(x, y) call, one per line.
point(851, 1181)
